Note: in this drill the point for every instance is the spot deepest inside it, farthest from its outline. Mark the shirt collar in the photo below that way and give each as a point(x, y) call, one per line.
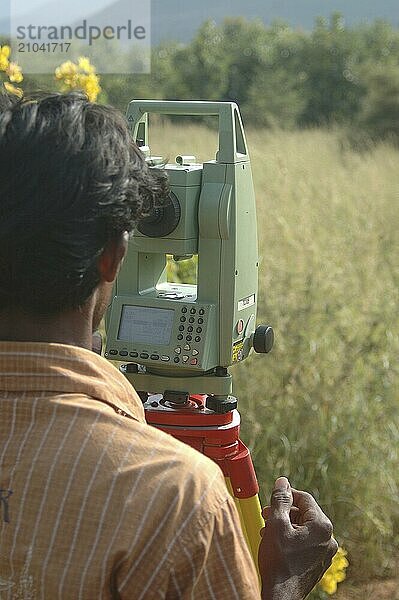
point(34, 366)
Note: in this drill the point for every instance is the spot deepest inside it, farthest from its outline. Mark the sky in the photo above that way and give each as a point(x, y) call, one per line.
point(22, 7)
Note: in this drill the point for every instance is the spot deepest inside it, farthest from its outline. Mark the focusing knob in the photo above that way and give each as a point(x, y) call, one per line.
point(162, 220)
point(263, 339)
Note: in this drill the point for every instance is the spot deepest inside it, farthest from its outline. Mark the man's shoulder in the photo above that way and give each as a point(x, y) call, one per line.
point(183, 470)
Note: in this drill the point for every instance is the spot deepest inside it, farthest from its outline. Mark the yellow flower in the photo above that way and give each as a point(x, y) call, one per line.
point(328, 584)
point(90, 84)
point(5, 52)
point(12, 89)
point(336, 573)
point(14, 73)
point(80, 76)
point(85, 65)
point(67, 70)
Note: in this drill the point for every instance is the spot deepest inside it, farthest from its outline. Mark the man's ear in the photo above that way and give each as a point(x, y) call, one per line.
point(112, 257)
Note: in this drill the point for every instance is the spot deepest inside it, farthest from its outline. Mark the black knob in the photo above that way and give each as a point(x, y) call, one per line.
point(263, 339)
point(221, 404)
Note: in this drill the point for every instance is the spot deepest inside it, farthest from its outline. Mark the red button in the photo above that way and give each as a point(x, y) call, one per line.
point(240, 326)
point(193, 361)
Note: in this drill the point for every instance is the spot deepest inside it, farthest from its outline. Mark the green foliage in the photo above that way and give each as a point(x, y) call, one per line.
point(281, 77)
point(323, 408)
point(330, 86)
point(379, 114)
point(184, 271)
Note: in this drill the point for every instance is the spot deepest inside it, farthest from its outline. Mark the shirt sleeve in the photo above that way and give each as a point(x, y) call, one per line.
point(213, 561)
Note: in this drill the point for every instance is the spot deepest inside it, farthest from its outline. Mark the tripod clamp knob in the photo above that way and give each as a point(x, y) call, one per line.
point(221, 404)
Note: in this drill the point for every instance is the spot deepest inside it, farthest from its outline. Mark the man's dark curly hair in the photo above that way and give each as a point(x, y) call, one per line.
point(71, 180)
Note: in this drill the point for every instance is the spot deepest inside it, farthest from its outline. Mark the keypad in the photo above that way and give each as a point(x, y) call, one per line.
point(192, 321)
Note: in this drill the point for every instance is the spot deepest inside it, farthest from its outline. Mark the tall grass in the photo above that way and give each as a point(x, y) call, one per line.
point(323, 408)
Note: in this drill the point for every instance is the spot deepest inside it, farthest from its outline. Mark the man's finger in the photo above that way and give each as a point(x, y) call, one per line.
point(312, 514)
point(281, 499)
point(295, 514)
point(306, 504)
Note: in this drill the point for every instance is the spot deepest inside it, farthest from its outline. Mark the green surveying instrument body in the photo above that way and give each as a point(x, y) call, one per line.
point(185, 337)
point(181, 339)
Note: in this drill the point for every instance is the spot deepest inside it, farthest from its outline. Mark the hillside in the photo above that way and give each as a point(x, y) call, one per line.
point(173, 19)
point(177, 20)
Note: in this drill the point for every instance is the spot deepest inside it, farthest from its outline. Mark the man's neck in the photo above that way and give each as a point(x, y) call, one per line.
point(72, 328)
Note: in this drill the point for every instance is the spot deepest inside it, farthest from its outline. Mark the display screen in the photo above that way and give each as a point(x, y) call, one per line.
point(146, 325)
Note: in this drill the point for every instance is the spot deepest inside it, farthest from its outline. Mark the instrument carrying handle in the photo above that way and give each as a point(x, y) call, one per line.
point(232, 143)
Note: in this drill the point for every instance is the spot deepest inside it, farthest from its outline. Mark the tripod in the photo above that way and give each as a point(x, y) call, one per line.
point(186, 418)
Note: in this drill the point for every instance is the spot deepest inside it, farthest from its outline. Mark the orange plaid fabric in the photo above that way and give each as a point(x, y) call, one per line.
point(95, 503)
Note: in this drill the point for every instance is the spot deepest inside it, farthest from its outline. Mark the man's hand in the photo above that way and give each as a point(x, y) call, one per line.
point(297, 545)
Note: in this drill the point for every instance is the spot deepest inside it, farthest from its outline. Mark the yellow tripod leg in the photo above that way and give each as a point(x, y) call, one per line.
point(250, 512)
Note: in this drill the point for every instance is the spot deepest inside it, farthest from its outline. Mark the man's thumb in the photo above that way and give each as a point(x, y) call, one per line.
point(281, 499)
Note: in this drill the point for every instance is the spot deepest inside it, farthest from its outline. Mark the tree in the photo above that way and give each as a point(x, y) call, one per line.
point(379, 114)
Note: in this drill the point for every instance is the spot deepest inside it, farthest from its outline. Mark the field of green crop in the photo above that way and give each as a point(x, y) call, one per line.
point(323, 408)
